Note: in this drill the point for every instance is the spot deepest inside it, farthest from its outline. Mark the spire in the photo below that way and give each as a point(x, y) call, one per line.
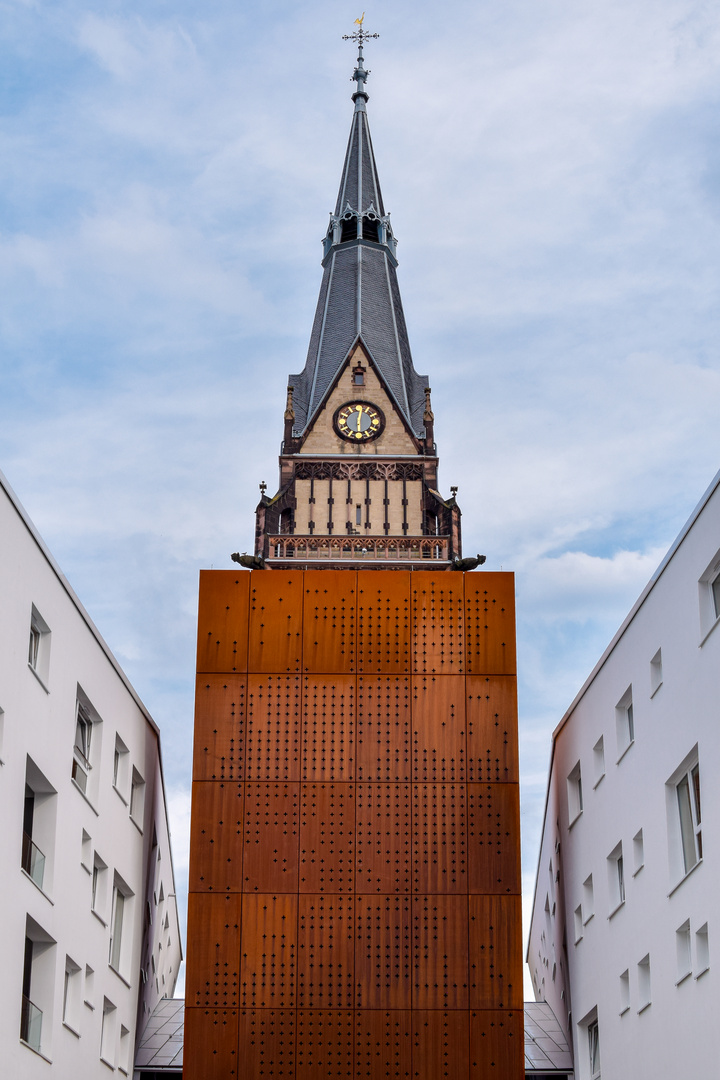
point(359, 294)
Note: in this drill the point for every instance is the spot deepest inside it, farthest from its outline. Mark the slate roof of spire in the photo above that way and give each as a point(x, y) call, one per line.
point(359, 295)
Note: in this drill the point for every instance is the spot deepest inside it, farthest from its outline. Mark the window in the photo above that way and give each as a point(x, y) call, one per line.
point(137, 798)
point(39, 819)
point(588, 899)
point(358, 515)
point(682, 952)
point(37, 987)
point(98, 901)
point(86, 747)
point(359, 376)
point(121, 762)
point(644, 983)
point(684, 811)
point(81, 750)
point(593, 1037)
point(575, 795)
point(2, 733)
point(616, 878)
point(656, 673)
point(39, 646)
point(624, 992)
point(120, 941)
point(709, 596)
point(702, 951)
point(599, 760)
point(86, 851)
point(72, 994)
point(578, 923)
point(108, 1035)
point(638, 852)
point(124, 1059)
point(89, 987)
point(625, 723)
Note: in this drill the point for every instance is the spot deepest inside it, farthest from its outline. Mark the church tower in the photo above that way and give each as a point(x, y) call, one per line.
point(354, 907)
point(358, 466)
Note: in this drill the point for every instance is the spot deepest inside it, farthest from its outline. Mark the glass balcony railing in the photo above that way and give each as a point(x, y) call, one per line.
point(33, 860)
point(31, 1024)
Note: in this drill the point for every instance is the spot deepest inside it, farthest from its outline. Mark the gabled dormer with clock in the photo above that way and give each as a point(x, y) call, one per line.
point(358, 463)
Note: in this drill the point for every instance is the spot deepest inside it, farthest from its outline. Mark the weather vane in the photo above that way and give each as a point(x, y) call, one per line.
point(359, 35)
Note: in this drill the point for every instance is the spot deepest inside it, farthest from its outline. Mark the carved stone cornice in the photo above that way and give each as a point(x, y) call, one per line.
point(358, 470)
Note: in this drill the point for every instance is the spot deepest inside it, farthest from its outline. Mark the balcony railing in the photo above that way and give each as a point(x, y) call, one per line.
point(370, 549)
point(31, 1024)
point(33, 860)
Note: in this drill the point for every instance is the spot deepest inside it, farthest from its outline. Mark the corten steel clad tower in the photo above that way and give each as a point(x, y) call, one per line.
point(354, 870)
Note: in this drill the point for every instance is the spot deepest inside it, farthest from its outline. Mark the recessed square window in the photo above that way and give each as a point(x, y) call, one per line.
point(86, 745)
point(682, 952)
point(638, 851)
point(578, 923)
point(39, 646)
point(644, 988)
point(709, 596)
point(588, 904)
point(616, 878)
point(624, 991)
point(599, 760)
point(702, 951)
point(684, 809)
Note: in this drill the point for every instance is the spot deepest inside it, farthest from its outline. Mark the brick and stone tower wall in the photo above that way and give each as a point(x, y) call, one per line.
point(354, 872)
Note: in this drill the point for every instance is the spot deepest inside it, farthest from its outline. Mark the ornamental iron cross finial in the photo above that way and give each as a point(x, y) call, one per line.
point(360, 35)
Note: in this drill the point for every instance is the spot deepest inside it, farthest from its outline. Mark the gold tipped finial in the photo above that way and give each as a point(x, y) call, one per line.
point(359, 22)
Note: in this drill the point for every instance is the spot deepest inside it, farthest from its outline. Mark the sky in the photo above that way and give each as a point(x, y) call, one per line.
point(553, 173)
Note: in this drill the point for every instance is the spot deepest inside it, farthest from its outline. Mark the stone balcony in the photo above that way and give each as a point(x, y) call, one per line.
point(375, 552)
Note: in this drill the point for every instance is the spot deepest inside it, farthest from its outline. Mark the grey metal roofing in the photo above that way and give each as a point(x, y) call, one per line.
point(359, 298)
point(161, 1044)
point(546, 1048)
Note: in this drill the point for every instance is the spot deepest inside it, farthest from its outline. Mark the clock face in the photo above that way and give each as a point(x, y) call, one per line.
point(359, 421)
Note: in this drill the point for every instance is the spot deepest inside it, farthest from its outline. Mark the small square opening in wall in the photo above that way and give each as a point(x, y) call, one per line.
point(574, 793)
point(625, 723)
point(644, 990)
point(86, 851)
point(599, 760)
point(682, 952)
point(137, 798)
point(656, 673)
point(108, 1033)
point(72, 995)
point(121, 768)
point(638, 851)
point(624, 991)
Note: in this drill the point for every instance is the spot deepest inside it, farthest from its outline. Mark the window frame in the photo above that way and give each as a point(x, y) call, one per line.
point(625, 723)
point(593, 1038)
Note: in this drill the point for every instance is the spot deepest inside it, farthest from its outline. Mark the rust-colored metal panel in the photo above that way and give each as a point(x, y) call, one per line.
point(330, 621)
point(383, 978)
point(269, 951)
point(223, 620)
point(440, 952)
point(494, 838)
point(273, 727)
point(490, 623)
point(219, 744)
point(267, 1043)
point(438, 623)
point(439, 746)
point(439, 828)
point(492, 729)
point(384, 839)
point(383, 1045)
point(216, 837)
point(497, 1045)
point(495, 952)
point(440, 1045)
point(276, 622)
point(325, 976)
point(210, 1050)
point(384, 621)
point(383, 748)
point(328, 738)
point(213, 962)
point(272, 825)
point(324, 1044)
point(327, 838)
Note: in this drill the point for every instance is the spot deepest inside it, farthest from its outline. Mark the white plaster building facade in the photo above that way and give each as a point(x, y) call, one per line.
point(627, 898)
point(89, 934)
